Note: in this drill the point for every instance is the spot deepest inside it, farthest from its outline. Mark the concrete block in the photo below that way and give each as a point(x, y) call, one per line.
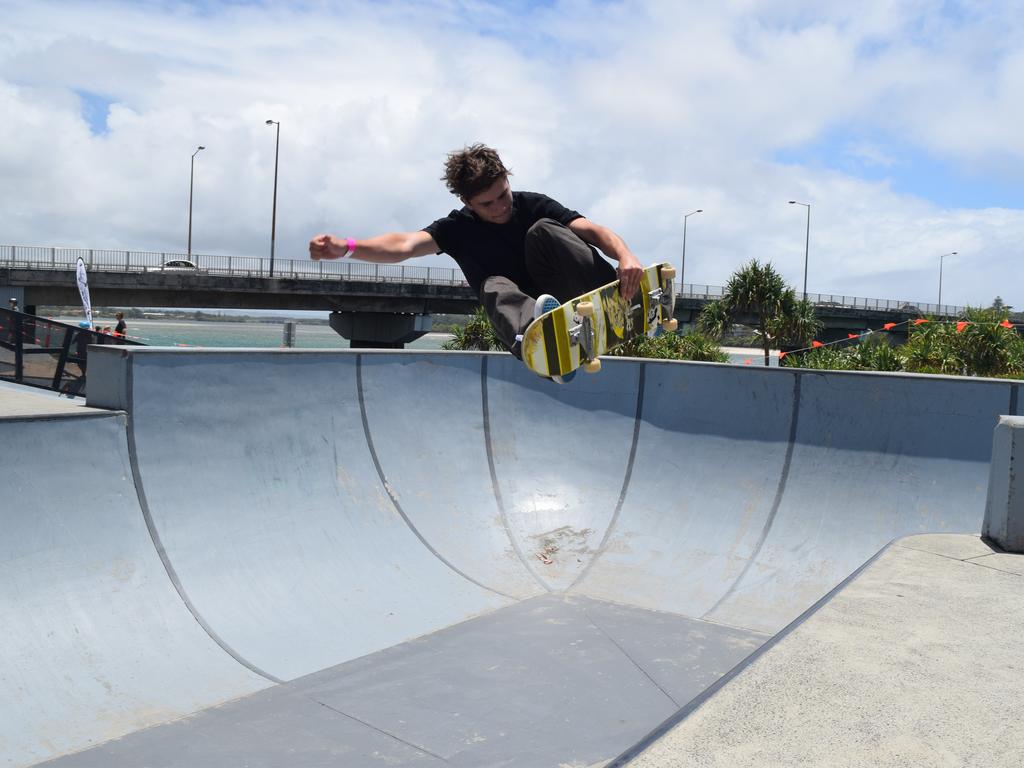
point(107, 385)
point(1004, 510)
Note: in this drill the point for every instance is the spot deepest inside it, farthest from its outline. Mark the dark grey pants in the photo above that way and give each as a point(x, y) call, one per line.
point(559, 263)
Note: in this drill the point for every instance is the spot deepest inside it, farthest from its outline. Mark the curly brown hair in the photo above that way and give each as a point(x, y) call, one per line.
point(471, 170)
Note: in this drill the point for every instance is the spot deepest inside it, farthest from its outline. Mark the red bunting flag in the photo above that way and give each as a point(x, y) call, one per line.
point(1006, 324)
point(889, 326)
point(961, 324)
point(817, 344)
point(920, 320)
point(782, 355)
point(853, 335)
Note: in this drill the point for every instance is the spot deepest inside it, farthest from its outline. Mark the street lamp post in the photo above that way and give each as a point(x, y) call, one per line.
point(682, 265)
point(191, 177)
point(273, 215)
point(943, 256)
point(807, 241)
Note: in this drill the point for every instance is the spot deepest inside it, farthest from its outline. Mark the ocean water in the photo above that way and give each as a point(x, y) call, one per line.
point(193, 333)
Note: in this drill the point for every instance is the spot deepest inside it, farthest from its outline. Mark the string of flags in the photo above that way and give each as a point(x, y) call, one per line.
point(961, 326)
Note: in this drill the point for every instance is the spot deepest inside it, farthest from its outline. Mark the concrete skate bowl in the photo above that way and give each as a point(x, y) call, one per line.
point(358, 559)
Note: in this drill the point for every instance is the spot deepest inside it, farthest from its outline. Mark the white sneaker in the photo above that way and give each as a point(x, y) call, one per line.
point(545, 303)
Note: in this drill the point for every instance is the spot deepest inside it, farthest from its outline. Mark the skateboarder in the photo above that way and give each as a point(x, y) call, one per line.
point(522, 252)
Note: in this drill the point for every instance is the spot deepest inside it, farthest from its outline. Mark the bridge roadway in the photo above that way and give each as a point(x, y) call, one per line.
point(366, 290)
point(423, 559)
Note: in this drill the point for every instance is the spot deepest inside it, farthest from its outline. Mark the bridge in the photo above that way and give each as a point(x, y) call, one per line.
point(380, 305)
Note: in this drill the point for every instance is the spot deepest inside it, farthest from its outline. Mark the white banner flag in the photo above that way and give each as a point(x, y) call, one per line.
point(83, 289)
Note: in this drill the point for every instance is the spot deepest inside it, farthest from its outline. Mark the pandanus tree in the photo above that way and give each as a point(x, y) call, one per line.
point(758, 290)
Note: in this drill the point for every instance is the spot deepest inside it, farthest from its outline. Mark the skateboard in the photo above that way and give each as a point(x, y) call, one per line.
point(577, 333)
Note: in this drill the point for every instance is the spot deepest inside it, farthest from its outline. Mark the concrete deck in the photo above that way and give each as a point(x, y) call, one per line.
point(17, 401)
point(917, 661)
point(409, 558)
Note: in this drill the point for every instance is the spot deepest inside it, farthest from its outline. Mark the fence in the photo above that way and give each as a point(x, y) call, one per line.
point(99, 260)
point(837, 301)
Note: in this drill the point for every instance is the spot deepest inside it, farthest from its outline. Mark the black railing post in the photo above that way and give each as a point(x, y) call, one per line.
point(65, 348)
point(19, 354)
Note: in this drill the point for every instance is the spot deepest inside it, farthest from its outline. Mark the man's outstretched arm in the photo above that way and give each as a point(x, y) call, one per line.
point(382, 249)
point(614, 247)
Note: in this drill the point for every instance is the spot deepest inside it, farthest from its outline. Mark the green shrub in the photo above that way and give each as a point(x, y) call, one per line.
point(673, 346)
point(981, 348)
point(478, 334)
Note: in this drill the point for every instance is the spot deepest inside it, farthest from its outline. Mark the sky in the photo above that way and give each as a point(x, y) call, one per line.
point(898, 122)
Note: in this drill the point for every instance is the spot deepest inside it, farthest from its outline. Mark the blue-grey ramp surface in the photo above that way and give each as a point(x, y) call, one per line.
point(95, 643)
point(349, 530)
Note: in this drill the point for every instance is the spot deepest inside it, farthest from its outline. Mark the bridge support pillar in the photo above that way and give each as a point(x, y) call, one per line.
point(380, 330)
point(1004, 511)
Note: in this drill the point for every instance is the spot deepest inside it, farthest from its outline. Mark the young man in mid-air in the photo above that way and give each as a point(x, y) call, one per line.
point(522, 252)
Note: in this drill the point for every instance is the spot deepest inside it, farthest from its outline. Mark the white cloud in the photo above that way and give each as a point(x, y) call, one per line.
point(634, 113)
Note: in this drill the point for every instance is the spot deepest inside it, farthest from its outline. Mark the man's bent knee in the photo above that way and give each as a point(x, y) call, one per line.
point(547, 228)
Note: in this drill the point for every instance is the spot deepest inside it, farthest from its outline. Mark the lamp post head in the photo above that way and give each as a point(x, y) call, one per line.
point(272, 122)
point(200, 148)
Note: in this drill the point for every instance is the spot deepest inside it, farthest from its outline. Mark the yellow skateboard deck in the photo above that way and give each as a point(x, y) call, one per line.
point(578, 332)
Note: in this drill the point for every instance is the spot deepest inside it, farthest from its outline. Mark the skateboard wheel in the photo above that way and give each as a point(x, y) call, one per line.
point(669, 325)
point(585, 309)
point(668, 272)
point(592, 366)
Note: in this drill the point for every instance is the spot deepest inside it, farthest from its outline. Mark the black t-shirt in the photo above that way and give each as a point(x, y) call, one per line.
point(483, 249)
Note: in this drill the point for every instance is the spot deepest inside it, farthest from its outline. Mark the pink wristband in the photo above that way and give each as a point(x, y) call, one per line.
point(351, 245)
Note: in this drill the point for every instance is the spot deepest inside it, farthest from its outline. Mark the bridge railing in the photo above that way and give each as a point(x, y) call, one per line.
point(105, 260)
point(838, 301)
point(44, 257)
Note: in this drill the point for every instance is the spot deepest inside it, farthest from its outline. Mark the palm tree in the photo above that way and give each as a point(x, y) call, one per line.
point(757, 289)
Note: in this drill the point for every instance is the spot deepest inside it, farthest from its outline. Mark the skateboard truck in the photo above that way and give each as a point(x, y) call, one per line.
point(666, 298)
point(582, 335)
point(585, 335)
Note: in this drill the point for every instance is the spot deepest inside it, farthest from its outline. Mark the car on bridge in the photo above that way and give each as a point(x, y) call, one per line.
point(175, 265)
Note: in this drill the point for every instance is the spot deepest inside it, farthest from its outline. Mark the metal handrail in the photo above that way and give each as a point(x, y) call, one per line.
point(106, 260)
point(837, 301)
point(47, 353)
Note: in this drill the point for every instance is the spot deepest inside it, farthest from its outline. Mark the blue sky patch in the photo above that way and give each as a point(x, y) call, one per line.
point(95, 110)
point(910, 170)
